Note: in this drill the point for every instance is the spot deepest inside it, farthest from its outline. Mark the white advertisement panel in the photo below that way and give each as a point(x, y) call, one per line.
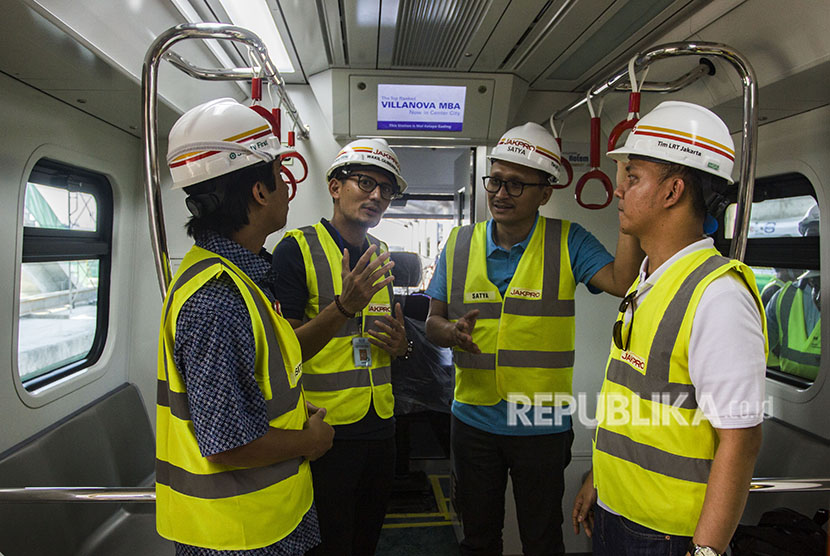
point(421, 107)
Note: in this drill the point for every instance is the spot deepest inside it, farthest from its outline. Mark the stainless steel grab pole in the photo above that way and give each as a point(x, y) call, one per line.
point(78, 494)
point(148, 494)
point(749, 129)
point(149, 90)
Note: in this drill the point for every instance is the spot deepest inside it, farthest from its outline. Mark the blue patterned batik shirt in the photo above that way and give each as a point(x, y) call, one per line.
point(215, 352)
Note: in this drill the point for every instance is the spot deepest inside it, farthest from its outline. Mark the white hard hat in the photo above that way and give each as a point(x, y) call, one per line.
point(808, 225)
point(682, 133)
point(216, 138)
point(530, 145)
point(369, 152)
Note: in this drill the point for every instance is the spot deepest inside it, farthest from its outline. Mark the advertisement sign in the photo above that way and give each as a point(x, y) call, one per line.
point(421, 107)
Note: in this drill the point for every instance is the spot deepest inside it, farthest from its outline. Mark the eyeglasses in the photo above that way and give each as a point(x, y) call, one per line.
point(627, 301)
point(513, 188)
point(368, 184)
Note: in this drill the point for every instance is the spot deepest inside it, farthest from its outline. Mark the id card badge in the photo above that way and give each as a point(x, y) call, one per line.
point(362, 351)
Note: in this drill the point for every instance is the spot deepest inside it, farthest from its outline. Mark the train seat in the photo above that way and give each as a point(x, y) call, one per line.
point(108, 443)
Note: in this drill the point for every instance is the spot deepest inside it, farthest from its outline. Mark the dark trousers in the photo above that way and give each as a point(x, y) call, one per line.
point(481, 462)
point(352, 482)
point(615, 535)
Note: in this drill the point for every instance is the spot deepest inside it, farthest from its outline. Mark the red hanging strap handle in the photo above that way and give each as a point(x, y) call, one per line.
point(256, 88)
point(566, 165)
point(275, 121)
point(633, 107)
point(292, 182)
point(299, 157)
point(595, 173)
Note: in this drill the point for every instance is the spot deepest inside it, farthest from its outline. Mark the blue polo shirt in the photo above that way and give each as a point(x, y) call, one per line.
point(587, 256)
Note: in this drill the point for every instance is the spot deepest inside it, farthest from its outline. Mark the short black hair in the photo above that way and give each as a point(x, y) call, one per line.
point(226, 199)
point(707, 191)
point(692, 179)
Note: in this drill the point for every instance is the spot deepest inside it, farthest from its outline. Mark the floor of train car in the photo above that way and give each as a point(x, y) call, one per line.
point(420, 519)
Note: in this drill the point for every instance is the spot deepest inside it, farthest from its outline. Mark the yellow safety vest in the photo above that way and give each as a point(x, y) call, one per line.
point(218, 506)
point(527, 337)
point(653, 446)
point(331, 379)
point(799, 352)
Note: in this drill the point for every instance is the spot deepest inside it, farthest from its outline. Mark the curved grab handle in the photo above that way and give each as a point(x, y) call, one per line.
point(618, 130)
point(265, 113)
point(633, 116)
point(292, 181)
point(594, 174)
point(299, 157)
point(566, 166)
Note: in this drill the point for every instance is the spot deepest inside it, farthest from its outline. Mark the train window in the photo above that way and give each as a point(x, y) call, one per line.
point(64, 277)
point(783, 252)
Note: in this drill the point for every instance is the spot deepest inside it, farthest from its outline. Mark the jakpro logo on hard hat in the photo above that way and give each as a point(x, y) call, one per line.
point(517, 145)
point(386, 156)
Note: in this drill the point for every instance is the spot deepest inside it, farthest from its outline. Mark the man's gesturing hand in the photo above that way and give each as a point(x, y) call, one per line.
point(464, 332)
point(392, 335)
point(361, 283)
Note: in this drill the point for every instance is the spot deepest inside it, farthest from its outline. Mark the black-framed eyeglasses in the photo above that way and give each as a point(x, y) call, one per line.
point(627, 301)
point(368, 184)
point(492, 184)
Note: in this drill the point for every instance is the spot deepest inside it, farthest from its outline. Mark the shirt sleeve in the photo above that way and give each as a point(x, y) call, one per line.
point(438, 285)
point(216, 352)
point(588, 255)
point(726, 355)
point(288, 278)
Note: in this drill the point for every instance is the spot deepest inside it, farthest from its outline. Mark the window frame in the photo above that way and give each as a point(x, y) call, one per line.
point(782, 252)
point(41, 245)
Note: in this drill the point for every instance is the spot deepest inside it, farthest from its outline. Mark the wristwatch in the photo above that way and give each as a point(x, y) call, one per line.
point(698, 550)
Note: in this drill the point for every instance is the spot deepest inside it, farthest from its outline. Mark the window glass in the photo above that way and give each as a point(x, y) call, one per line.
point(785, 217)
point(783, 252)
point(58, 315)
point(791, 302)
point(64, 274)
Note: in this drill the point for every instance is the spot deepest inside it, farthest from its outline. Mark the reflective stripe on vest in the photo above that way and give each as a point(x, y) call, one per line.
point(653, 447)
point(211, 505)
point(330, 378)
point(799, 352)
point(526, 336)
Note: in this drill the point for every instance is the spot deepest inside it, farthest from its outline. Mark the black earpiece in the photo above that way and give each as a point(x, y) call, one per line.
point(204, 204)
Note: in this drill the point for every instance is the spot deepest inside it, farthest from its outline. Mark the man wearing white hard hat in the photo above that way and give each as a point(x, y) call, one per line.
point(234, 431)
point(503, 298)
point(680, 412)
point(334, 284)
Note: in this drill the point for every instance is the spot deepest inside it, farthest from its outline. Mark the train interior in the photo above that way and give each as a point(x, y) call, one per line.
point(82, 299)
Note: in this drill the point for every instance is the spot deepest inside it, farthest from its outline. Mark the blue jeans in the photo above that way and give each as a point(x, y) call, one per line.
point(615, 535)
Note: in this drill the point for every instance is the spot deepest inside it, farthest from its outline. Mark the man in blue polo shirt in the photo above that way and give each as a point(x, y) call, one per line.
point(502, 297)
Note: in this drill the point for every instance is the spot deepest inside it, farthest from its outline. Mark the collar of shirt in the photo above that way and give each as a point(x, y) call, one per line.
point(342, 243)
point(492, 248)
point(646, 281)
point(256, 266)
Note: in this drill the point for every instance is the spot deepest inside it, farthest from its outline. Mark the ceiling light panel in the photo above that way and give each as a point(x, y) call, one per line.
point(255, 16)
